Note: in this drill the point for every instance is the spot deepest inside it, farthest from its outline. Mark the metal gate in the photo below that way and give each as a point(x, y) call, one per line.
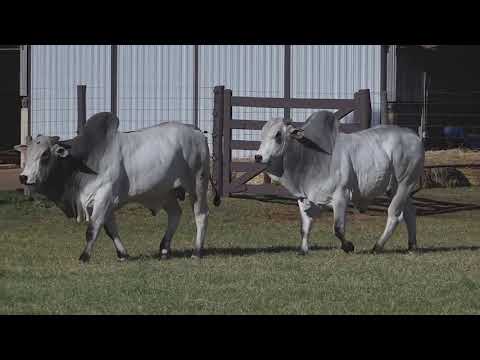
point(223, 144)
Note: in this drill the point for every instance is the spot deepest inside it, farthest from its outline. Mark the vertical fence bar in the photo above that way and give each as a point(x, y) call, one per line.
point(81, 107)
point(363, 109)
point(29, 88)
point(217, 136)
point(287, 78)
point(227, 140)
point(114, 78)
point(195, 85)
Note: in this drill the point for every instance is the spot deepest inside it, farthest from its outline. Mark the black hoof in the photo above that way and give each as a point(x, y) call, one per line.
point(164, 254)
point(376, 250)
point(412, 250)
point(302, 252)
point(348, 247)
point(85, 258)
point(197, 255)
point(123, 257)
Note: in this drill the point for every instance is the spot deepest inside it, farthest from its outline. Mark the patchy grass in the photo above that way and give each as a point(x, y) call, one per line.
point(251, 265)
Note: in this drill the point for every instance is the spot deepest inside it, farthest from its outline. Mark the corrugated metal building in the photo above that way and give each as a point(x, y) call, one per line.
point(156, 83)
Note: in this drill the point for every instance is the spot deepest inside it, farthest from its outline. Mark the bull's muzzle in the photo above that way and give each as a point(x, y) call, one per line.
point(23, 179)
point(258, 158)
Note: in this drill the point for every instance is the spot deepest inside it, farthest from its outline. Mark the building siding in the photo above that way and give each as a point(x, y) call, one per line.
point(336, 72)
point(248, 70)
point(156, 82)
point(56, 71)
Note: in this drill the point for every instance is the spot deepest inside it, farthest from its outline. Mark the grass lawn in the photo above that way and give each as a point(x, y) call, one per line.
point(251, 265)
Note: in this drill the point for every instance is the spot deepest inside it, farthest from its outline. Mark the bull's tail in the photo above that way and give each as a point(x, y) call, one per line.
point(216, 198)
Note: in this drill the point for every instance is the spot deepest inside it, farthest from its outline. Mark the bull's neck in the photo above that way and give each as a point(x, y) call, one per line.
point(61, 187)
point(302, 170)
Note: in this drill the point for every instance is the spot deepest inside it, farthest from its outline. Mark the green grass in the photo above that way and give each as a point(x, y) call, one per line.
point(251, 265)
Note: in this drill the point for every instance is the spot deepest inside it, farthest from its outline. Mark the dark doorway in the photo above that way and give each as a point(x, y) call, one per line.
point(9, 96)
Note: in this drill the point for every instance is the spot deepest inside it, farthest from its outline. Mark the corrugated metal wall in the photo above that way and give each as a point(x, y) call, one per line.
point(155, 84)
point(56, 71)
point(248, 70)
point(336, 72)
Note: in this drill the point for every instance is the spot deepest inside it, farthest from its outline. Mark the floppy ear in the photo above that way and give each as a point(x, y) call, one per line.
point(20, 147)
point(321, 130)
point(295, 133)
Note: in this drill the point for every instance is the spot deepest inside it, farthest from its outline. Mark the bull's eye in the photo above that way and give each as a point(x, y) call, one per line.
point(45, 155)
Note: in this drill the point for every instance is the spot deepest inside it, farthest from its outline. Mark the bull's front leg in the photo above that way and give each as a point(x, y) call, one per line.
point(306, 225)
point(101, 211)
point(340, 203)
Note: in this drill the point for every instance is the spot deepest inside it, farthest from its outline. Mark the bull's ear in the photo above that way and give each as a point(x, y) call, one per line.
point(20, 147)
point(60, 151)
point(295, 133)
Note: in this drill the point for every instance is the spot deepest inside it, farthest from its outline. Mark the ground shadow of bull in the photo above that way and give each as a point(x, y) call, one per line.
point(249, 251)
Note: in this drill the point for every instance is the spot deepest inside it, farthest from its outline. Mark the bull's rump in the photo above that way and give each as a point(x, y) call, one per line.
point(381, 156)
point(159, 158)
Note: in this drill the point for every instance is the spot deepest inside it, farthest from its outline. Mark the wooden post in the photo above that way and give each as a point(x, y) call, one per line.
point(227, 140)
point(363, 109)
point(81, 107)
point(217, 136)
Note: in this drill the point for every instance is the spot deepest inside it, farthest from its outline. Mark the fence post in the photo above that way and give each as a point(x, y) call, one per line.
point(287, 77)
point(217, 136)
point(114, 78)
point(227, 141)
point(81, 107)
point(363, 109)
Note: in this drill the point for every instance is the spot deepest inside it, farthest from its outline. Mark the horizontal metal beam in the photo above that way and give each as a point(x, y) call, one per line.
point(246, 101)
point(264, 189)
point(245, 145)
point(243, 166)
point(253, 124)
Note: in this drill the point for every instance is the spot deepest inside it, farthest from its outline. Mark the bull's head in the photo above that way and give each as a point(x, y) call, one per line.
point(43, 155)
point(319, 132)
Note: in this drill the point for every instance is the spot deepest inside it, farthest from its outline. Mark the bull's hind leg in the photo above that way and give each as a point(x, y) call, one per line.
point(340, 203)
point(112, 231)
point(410, 217)
point(200, 211)
point(174, 212)
point(395, 215)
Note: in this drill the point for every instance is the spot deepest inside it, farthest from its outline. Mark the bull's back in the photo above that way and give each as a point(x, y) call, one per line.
point(157, 158)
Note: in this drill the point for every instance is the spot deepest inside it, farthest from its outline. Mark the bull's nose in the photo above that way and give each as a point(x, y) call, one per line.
point(258, 158)
point(23, 179)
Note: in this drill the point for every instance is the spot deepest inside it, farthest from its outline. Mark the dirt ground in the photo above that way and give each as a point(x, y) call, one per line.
point(9, 179)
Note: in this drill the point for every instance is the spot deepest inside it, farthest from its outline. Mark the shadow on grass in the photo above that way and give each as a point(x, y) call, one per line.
point(425, 250)
point(237, 251)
